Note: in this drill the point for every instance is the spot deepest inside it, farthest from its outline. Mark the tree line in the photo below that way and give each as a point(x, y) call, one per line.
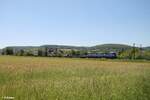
point(133, 53)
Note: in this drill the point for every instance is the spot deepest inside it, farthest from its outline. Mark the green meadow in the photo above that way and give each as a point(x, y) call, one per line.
point(43, 78)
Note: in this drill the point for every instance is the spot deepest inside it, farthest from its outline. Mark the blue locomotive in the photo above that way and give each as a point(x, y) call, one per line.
point(100, 55)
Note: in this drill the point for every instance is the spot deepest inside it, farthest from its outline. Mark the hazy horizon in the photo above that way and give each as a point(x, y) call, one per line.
point(74, 22)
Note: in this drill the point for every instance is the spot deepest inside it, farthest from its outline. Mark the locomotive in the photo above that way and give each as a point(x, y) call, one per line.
point(111, 55)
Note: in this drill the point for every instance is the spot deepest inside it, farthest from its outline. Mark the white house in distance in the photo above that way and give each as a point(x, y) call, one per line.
point(0, 51)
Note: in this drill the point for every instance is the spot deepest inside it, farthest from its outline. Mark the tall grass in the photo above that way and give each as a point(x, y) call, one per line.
point(36, 78)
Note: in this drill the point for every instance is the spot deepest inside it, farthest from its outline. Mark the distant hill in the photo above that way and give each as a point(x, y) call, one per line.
point(64, 47)
point(116, 46)
point(22, 47)
point(111, 47)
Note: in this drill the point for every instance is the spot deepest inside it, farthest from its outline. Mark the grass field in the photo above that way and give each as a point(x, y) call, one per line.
point(37, 78)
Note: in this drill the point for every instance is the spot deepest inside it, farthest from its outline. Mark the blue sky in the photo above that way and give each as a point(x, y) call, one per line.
point(74, 22)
